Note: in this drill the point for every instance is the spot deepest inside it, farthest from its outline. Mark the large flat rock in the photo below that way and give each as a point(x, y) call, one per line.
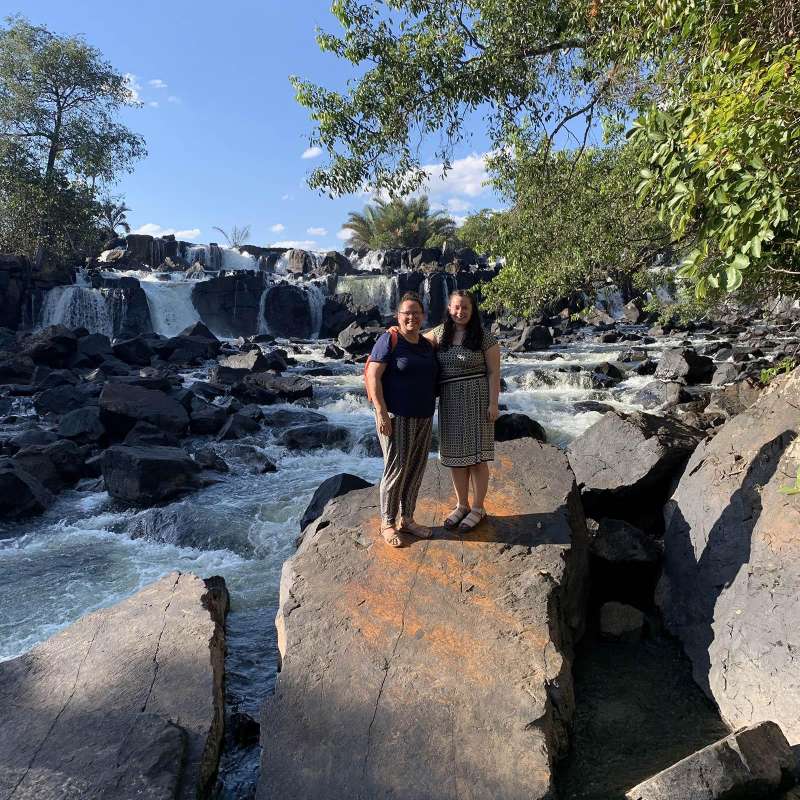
point(441, 670)
point(126, 702)
point(731, 583)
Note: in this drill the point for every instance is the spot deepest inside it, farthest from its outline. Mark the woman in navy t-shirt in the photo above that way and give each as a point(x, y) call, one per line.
point(401, 382)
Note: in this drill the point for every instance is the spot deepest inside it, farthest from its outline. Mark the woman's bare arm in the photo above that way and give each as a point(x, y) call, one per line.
point(492, 356)
point(431, 337)
point(375, 370)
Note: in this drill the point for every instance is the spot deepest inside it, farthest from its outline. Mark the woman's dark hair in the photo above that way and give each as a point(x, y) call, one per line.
point(413, 297)
point(473, 338)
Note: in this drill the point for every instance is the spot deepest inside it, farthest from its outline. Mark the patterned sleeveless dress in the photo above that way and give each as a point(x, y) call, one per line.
point(466, 437)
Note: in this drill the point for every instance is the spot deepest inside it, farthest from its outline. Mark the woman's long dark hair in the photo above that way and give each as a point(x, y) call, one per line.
point(473, 337)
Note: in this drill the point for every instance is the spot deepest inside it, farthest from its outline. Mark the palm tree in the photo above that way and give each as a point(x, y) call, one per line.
point(398, 223)
point(113, 215)
point(237, 237)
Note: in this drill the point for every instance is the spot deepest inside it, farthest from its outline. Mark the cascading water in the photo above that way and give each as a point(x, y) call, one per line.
point(610, 300)
point(316, 301)
point(170, 304)
point(77, 307)
point(370, 290)
point(373, 259)
point(216, 257)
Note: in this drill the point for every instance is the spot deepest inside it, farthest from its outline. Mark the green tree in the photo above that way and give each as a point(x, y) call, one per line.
point(59, 139)
point(479, 230)
point(573, 225)
point(712, 86)
point(399, 223)
point(113, 215)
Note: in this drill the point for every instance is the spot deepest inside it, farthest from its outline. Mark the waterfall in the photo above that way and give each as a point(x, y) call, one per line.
point(214, 257)
point(610, 300)
point(370, 290)
point(77, 307)
point(170, 304)
point(373, 259)
point(316, 301)
point(263, 326)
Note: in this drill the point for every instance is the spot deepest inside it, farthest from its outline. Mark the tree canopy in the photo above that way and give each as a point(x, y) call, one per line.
point(399, 223)
point(60, 141)
point(710, 89)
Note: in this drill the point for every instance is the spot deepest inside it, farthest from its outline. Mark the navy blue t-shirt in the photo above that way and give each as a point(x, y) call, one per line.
point(409, 380)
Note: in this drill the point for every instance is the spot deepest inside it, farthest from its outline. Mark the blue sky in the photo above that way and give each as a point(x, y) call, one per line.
point(225, 137)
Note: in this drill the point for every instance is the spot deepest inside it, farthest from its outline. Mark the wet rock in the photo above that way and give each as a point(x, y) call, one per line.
point(54, 346)
point(621, 622)
point(20, 493)
point(55, 466)
point(725, 373)
point(126, 702)
point(356, 340)
point(253, 457)
point(336, 316)
point(685, 364)
point(285, 418)
point(266, 388)
point(230, 304)
point(60, 400)
point(94, 348)
point(209, 458)
point(440, 641)
point(661, 394)
point(368, 445)
point(199, 331)
point(310, 437)
point(122, 406)
point(610, 337)
point(208, 391)
point(592, 405)
point(647, 367)
point(147, 475)
point(533, 337)
point(335, 486)
point(517, 426)
point(136, 351)
point(237, 426)
point(17, 369)
point(145, 434)
point(730, 589)
point(622, 457)
point(31, 436)
point(47, 378)
point(206, 418)
point(334, 351)
point(751, 763)
point(631, 312)
point(617, 541)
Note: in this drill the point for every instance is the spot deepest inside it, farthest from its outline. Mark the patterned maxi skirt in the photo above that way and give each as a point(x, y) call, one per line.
point(466, 437)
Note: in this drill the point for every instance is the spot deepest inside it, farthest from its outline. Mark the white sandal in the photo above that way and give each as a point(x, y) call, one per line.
point(455, 516)
point(472, 520)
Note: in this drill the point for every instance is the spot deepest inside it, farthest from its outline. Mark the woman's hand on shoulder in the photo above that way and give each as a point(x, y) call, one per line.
point(431, 337)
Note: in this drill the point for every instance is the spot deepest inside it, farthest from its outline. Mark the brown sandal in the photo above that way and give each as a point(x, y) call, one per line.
point(420, 531)
point(391, 535)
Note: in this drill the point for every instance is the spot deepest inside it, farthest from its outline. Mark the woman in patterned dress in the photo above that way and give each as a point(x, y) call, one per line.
point(469, 387)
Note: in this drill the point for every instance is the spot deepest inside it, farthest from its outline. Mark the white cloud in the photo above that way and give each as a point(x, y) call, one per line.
point(466, 176)
point(456, 204)
point(151, 229)
point(278, 227)
point(344, 234)
point(153, 104)
point(285, 197)
point(312, 152)
point(157, 83)
point(133, 88)
point(305, 244)
point(316, 231)
point(173, 99)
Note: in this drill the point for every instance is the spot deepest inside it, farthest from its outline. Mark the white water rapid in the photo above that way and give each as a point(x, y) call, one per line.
point(77, 307)
point(170, 302)
point(370, 290)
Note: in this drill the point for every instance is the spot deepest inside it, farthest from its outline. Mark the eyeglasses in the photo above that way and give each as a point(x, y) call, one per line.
point(409, 313)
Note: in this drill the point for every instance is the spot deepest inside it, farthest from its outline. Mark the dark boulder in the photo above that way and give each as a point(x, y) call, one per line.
point(336, 263)
point(358, 341)
point(732, 399)
point(661, 394)
point(54, 346)
point(286, 418)
point(517, 426)
point(136, 351)
point(309, 437)
point(288, 313)
point(334, 351)
point(685, 364)
point(725, 373)
point(624, 458)
point(206, 418)
point(631, 312)
point(20, 493)
point(61, 400)
point(16, 369)
point(209, 458)
point(368, 445)
point(122, 406)
point(647, 367)
point(145, 434)
point(336, 316)
point(534, 337)
point(266, 388)
point(237, 426)
point(253, 457)
point(147, 475)
point(82, 425)
point(199, 331)
point(94, 348)
point(230, 304)
point(619, 542)
point(31, 436)
point(56, 465)
point(335, 486)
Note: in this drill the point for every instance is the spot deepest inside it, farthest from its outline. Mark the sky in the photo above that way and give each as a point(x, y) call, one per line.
point(227, 143)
